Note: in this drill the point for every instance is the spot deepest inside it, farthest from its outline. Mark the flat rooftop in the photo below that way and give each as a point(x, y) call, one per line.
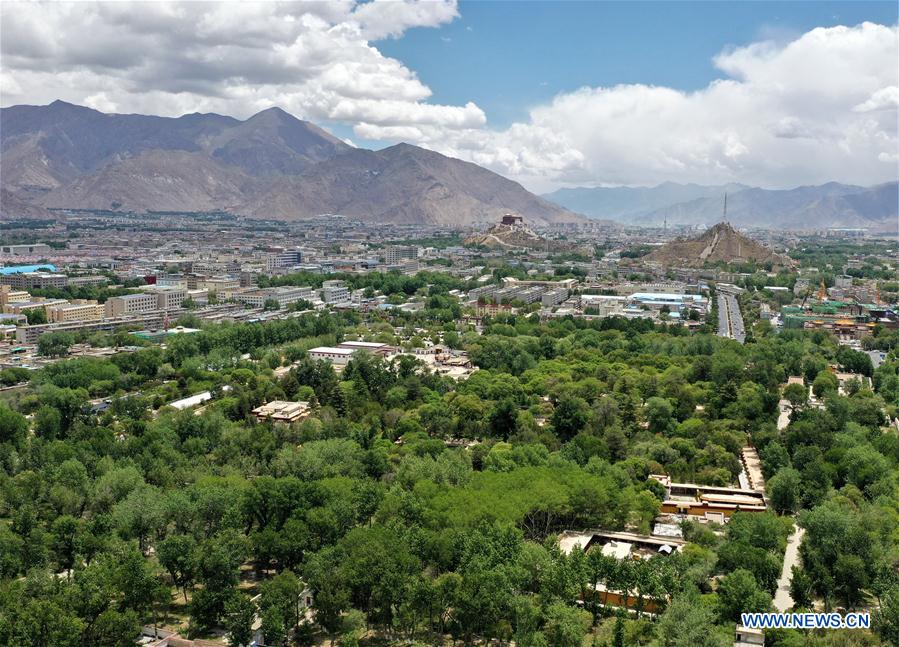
point(22, 269)
point(332, 350)
point(282, 410)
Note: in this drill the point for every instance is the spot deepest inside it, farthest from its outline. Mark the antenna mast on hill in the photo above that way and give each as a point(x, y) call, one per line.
point(725, 206)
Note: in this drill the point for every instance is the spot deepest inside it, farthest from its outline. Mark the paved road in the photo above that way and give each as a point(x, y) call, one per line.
point(730, 319)
point(736, 319)
point(782, 599)
point(723, 318)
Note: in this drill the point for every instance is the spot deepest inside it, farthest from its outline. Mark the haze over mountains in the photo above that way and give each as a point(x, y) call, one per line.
point(271, 165)
point(807, 207)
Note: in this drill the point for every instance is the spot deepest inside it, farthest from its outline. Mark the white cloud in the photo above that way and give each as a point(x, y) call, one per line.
point(383, 18)
point(313, 59)
point(811, 108)
point(882, 99)
point(818, 108)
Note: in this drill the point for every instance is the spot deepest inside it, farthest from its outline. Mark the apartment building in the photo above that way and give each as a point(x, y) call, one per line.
point(23, 307)
point(288, 258)
point(217, 284)
point(9, 295)
point(395, 254)
point(553, 297)
point(248, 278)
point(88, 281)
point(335, 292)
point(78, 310)
point(172, 281)
point(170, 298)
point(603, 305)
point(283, 295)
point(131, 304)
point(35, 280)
point(30, 334)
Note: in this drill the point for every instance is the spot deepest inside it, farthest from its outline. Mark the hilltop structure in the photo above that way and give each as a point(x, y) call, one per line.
point(718, 244)
point(512, 232)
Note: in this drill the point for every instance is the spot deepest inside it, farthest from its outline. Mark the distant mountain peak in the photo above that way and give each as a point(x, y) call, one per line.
point(270, 165)
point(802, 208)
point(273, 114)
point(404, 148)
point(59, 103)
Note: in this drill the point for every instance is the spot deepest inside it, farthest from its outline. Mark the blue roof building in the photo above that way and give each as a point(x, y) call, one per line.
point(24, 269)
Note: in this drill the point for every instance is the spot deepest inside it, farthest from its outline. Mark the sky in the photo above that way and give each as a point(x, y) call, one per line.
point(551, 94)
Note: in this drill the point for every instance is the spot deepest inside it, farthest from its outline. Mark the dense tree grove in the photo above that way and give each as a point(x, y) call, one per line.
point(411, 507)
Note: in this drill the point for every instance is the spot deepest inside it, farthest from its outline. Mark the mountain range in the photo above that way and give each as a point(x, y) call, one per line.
point(831, 205)
point(271, 165)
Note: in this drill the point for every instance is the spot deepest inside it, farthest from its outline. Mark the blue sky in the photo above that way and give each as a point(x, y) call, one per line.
point(509, 56)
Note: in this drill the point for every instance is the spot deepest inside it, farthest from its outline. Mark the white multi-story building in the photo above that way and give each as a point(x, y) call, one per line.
point(87, 281)
point(76, 311)
point(335, 292)
point(394, 254)
point(283, 295)
point(37, 280)
point(288, 258)
point(8, 295)
point(214, 285)
point(553, 297)
point(175, 281)
point(170, 298)
point(131, 304)
point(23, 307)
point(603, 305)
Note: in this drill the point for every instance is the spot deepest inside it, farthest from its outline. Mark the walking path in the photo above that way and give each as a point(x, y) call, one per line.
point(784, 418)
point(782, 599)
point(753, 466)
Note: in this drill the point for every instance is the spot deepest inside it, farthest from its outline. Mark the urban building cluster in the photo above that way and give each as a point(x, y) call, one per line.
point(222, 269)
